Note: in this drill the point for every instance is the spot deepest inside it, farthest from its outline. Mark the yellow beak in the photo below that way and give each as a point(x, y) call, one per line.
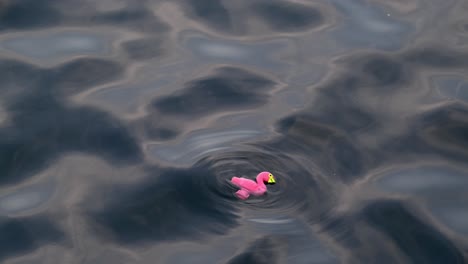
point(271, 179)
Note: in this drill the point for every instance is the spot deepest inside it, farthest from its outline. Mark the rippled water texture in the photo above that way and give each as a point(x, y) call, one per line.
point(121, 123)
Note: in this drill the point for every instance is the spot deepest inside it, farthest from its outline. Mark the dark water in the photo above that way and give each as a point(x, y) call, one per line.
point(121, 123)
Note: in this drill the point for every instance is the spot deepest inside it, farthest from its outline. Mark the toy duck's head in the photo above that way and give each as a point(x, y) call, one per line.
point(267, 177)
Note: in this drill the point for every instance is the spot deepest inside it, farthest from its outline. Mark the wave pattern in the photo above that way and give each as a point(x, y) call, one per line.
point(122, 122)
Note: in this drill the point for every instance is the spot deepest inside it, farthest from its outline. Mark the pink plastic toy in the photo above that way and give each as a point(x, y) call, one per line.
point(249, 187)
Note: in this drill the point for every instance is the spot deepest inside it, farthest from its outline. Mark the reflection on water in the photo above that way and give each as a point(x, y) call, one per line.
point(423, 182)
point(302, 245)
point(121, 123)
point(451, 87)
point(26, 198)
point(198, 145)
point(367, 25)
point(236, 52)
point(53, 45)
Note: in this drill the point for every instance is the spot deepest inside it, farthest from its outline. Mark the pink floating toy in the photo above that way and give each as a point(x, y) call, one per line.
point(249, 187)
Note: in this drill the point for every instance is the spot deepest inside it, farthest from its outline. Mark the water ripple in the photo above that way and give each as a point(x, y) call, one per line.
point(357, 107)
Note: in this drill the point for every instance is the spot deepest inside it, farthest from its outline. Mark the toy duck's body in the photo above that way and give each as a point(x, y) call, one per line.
point(249, 187)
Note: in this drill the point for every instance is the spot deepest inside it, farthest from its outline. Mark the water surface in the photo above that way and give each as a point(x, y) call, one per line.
point(121, 123)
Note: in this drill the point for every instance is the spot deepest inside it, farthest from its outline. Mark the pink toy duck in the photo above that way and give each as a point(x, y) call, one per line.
point(249, 187)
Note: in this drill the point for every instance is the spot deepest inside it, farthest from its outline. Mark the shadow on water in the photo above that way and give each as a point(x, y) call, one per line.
point(370, 161)
point(148, 212)
point(21, 235)
point(230, 88)
point(41, 127)
point(264, 250)
point(277, 15)
point(418, 241)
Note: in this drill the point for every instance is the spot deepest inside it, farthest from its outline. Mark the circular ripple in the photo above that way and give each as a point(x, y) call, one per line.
point(299, 186)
